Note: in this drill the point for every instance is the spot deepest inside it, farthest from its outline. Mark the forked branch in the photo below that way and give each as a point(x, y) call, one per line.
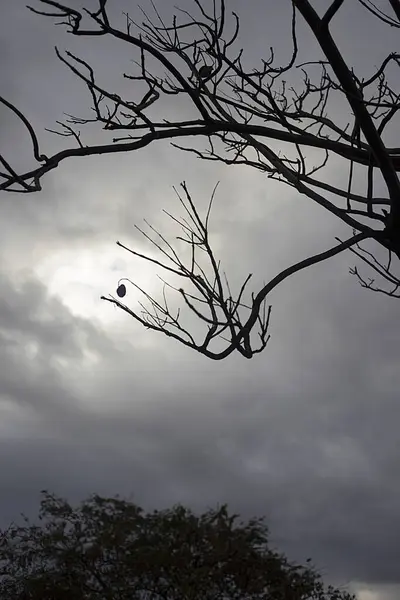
point(230, 320)
point(249, 117)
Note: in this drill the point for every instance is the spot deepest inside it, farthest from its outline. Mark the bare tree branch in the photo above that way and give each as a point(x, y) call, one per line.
point(239, 116)
point(223, 318)
point(382, 16)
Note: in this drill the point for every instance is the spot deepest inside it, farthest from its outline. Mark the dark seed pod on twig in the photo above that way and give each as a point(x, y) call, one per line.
point(205, 71)
point(121, 290)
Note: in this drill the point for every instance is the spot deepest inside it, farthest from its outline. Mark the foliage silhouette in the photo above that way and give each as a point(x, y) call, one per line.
point(108, 548)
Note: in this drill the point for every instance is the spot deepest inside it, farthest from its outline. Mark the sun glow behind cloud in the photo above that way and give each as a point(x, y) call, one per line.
point(80, 276)
point(368, 592)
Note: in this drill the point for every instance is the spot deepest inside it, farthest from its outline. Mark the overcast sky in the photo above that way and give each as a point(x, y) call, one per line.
point(305, 433)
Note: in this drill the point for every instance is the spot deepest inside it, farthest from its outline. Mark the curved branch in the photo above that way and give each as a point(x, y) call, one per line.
point(213, 295)
point(36, 152)
point(303, 264)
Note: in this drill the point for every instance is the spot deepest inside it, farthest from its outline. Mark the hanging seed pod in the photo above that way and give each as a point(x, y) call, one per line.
point(121, 290)
point(205, 71)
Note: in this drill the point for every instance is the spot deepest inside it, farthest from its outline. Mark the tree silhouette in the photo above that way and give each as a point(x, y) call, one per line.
point(241, 114)
point(108, 548)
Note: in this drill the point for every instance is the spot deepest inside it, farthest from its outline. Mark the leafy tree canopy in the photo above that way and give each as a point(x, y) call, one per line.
point(109, 548)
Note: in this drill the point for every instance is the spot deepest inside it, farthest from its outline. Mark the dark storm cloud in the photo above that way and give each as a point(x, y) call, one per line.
point(306, 433)
point(306, 461)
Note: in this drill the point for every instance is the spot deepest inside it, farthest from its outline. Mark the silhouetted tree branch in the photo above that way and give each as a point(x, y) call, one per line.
point(240, 114)
point(224, 316)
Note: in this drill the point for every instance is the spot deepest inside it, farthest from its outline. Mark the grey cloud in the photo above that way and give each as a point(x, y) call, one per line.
point(306, 433)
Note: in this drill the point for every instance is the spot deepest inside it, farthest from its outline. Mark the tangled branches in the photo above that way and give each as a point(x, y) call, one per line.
point(241, 114)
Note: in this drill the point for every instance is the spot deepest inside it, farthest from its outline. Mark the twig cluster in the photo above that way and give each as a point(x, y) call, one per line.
point(240, 113)
point(212, 301)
